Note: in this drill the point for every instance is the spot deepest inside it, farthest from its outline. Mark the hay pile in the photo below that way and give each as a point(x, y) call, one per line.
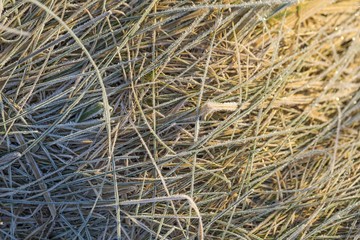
point(179, 119)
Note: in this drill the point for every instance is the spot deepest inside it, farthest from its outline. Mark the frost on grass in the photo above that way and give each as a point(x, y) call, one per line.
point(179, 119)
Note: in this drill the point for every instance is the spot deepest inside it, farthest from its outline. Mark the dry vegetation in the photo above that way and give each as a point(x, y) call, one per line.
point(179, 119)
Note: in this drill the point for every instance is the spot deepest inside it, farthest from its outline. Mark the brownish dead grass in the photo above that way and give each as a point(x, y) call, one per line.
point(179, 119)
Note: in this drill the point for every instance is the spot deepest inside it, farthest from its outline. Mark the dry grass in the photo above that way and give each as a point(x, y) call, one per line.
point(179, 119)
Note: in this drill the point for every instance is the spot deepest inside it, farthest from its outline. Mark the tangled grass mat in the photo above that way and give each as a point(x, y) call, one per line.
point(162, 119)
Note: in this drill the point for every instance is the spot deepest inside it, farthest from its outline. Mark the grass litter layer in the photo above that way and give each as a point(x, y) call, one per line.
point(179, 119)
